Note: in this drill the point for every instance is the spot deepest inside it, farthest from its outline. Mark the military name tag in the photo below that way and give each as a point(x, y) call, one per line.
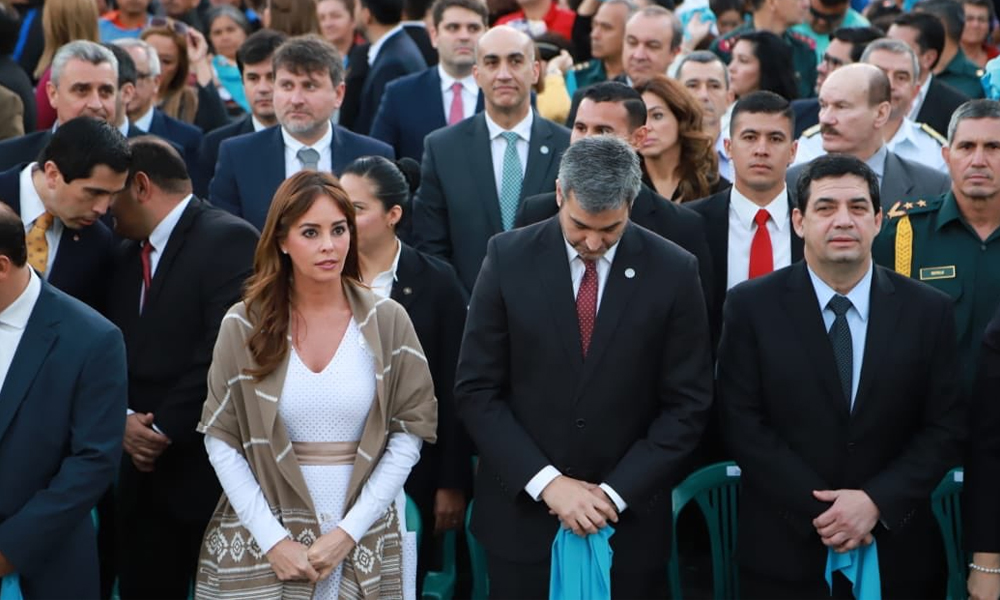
point(932, 273)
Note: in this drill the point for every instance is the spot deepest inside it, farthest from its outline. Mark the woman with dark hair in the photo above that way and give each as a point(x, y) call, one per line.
point(432, 295)
point(761, 61)
point(678, 157)
point(975, 40)
point(228, 28)
point(337, 25)
point(319, 400)
point(292, 17)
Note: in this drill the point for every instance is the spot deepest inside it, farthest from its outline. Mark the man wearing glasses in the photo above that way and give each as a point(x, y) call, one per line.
point(825, 17)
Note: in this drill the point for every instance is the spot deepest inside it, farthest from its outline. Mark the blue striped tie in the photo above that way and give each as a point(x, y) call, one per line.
point(510, 181)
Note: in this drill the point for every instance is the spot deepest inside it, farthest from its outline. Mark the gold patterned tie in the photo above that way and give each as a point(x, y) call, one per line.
point(38, 246)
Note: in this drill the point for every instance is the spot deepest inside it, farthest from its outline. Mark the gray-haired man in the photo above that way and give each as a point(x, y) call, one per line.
point(584, 379)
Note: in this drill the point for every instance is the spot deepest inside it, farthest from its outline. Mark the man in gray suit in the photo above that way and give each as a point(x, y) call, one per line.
point(476, 172)
point(855, 103)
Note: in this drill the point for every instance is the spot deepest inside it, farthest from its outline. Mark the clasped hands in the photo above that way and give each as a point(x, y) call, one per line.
point(849, 521)
point(293, 561)
point(581, 506)
point(143, 443)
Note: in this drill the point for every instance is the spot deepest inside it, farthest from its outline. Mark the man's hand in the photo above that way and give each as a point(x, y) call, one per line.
point(449, 509)
point(142, 442)
point(329, 551)
point(984, 586)
point(290, 562)
point(5, 567)
point(577, 507)
point(849, 522)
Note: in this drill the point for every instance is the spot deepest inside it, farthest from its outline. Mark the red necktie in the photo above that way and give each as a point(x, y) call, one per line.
point(761, 256)
point(586, 304)
point(457, 111)
point(147, 270)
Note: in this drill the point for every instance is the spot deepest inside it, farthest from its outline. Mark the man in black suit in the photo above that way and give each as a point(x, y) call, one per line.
point(613, 108)
point(474, 174)
point(254, 62)
point(584, 380)
point(415, 20)
point(64, 195)
point(838, 386)
point(183, 265)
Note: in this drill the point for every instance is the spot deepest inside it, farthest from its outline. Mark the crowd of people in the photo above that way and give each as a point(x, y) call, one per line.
point(272, 269)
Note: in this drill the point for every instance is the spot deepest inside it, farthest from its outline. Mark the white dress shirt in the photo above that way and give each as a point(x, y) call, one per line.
point(857, 319)
point(292, 146)
point(382, 283)
point(145, 121)
point(32, 208)
point(159, 238)
point(470, 93)
point(918, 102)
point(14, 319)
point(375, 48)
point(913, 143)
point(257, 125)
point(577, 269)
point(742, 228)
point(498, 145)
point(725, 163)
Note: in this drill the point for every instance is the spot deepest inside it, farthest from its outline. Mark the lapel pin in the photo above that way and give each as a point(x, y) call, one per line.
point(407, 291)
point(544, 149)
point(76, 237)
point(629, 273)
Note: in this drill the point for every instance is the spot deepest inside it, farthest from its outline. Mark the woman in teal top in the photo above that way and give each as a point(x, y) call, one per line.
point(227, 29)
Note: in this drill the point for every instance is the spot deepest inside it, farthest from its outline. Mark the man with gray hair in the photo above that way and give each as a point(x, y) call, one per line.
point(913, 141)
point(84, 83)
point(585, 381)
point(707, 78)
point(607, 35)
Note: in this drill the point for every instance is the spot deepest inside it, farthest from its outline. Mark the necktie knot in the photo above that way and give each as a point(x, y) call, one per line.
point(839, 305)
point(761, 218)
point(309, 158)
point(510, 136)
point(44, 221)
point(456, 88)
point(38, 245)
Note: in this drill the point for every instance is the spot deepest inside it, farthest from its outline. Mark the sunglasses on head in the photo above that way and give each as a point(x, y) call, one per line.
point(168, 23)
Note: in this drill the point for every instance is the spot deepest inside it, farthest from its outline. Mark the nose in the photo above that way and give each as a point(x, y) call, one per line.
point(979, 157)
point(102, 204)
point(94, 100)
point(826, 116)
point(504, 71)
point(593, 242)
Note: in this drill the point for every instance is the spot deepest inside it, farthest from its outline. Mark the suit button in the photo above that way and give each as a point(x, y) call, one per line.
point(570, 471)
point(580, 423)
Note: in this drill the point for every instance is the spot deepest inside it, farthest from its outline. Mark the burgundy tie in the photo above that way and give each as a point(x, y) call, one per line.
point(147, 270)
point(761, 256)
point(586, 304)
point(457, 111)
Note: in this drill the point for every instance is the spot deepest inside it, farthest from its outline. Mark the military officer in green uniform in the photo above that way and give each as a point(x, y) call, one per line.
point(963, 75)
point(953, 67)
point(607, 35)
point(952, 242)
point(778, 18)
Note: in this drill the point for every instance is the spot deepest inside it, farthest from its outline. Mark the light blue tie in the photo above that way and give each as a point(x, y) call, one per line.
point(510, 181)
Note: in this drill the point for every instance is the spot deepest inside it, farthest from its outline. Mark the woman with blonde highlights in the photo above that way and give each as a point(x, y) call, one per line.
point(319, 400)
point(63, 21)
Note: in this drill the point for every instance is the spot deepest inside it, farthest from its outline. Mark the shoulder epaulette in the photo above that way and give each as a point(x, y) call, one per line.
point(913, 207)
point(934, 134)
point(980, 72)
point(811, 131)
point(583, 66)
point(805, 39)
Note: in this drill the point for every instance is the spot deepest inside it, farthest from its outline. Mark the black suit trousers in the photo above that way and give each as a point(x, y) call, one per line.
point(530, 581)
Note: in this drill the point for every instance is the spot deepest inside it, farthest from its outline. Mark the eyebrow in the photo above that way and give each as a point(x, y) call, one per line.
point(511, 55)
point(854, 200)
point(608, 228)
point(339, 222)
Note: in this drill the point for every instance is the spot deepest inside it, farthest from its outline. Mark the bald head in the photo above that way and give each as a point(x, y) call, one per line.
point(504, 36)
point(854, 108)
point(870, 80)
point(505, 70)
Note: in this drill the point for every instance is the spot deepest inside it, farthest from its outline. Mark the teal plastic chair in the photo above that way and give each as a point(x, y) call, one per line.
point(413, 522)
point(440, 585)
point(715, 489)
point(947, 508)
point(477, 561)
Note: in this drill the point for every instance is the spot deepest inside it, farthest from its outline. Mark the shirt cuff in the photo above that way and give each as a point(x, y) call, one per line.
point(129, 412)
point(619, 503)
point(537, 483)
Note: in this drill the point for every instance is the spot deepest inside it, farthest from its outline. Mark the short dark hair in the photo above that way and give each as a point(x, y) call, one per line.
point(258, 47)
point(386, 12)
point(12, 236)
point(440, 6)
point(704, 57)
point(835, 165)
point(765, 102)
point(950, 12)
point(309, 54)
point(10, 27)
point(615, 91)
point(858, 38)
point(80, 144)
point(127, 73)
point(160, 162)
point(719, 7)
point(777, 72)
point(416, 10)
point(930, 31)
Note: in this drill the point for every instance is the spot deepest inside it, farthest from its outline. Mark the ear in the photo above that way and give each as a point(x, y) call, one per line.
point(395, 214)
point(50, 91)
point(882, 115)
point(128, 93)
point(794, 150)
point(6, 267)
point(142, 187)
point(727, 144)
point(433, 33)
point(878, 221)
point(638, 137)
point(339, 92)
point(536, 68)
point(52, 174)
point(797, 222)
point(559, 194)
point(946, 154)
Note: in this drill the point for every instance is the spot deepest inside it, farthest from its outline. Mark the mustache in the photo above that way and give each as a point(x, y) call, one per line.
point(828, 129)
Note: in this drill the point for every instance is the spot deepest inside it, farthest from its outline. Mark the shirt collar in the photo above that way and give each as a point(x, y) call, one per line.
point(905, 133)
point(374, 49)
point(123, 128)
point(16, 315)
point(877, 162)
point(918, 102)
point(395, 262)
point(860, 294)
point(161, 233)
point(746, 209)
point(948, 212)
point(609, 256)
point(257, 125)
point(468, 83)
point(145, 121)
point(522, 129)
point(295, 145)
point(32, 206)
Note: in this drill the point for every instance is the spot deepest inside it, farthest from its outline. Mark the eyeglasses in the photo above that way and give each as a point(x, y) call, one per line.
point(825, 17)
point(176, 26)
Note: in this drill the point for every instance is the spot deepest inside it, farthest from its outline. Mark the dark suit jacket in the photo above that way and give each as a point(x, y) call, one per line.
point(671, 221)
point(84, 256)
point(411, 108)
point(806, 114)
point(15, 79)
point(251, 167)
point(62, 416)
point(354, 80)
point(791, 430)
point(184, 135)
point(456, 209)
point(208, 152)
point(200, 275)
point(418, 33)
point(628, 415)
point(398, 56)
point(429, 290)
point(981, 495)
point(940, 102)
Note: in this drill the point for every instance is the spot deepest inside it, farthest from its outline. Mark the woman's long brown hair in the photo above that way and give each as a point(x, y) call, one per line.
point(177, 99)
point(268, 293)
point(698, 166)
point(65, 21)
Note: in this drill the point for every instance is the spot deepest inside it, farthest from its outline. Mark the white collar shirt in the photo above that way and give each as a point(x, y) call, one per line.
point(382, 283)
point(257, 125)
point(375, 48)
point(918, 102)
point(742, 229)
point(292, 146)
point(32, 208)
point(145, 121)
point(498, 145)
point(725, 163)
point(470, 93)
point(14, 320)
point(577, 268)
point(159, 238)
point(913, 143)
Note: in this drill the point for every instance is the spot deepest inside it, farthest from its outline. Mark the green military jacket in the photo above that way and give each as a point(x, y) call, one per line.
point(584, 74)
point(963, 75)
point(930, 240)
point(803, 55)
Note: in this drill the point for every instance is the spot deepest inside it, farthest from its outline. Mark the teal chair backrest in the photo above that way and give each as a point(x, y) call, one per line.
point(477, 561)
point(715, 489)
point(947, 508)
point(413, 522)
point(440, 585)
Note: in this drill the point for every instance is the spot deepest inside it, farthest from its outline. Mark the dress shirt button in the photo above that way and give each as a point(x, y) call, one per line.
point(580, 423)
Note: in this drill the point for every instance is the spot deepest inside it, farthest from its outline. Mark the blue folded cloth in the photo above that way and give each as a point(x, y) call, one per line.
point(10, 587)
point(581, 566)
point(860, 566)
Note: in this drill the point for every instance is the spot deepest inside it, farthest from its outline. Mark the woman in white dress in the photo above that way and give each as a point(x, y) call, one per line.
point(319, 401)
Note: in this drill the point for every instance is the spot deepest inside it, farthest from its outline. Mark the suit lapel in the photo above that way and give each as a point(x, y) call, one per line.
point(896, 181)
point(174, 244)
point(883, 316)
point(717, 232)
point(38, 337)
point(552, 270)
point(540, 157)
point(481, 158)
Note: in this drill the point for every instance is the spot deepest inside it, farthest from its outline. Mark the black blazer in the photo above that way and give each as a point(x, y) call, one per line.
point(715, 213)
point(398, 56)
point(672, 221)
point(200, 275)
point(939, 104)
point(433, 297)
point(806, 114)
point(418, 33)
point(790, 428)
point(186, 136)
point(981, 495)
point(84, 256)
point(628, 415)
point(208, 152)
